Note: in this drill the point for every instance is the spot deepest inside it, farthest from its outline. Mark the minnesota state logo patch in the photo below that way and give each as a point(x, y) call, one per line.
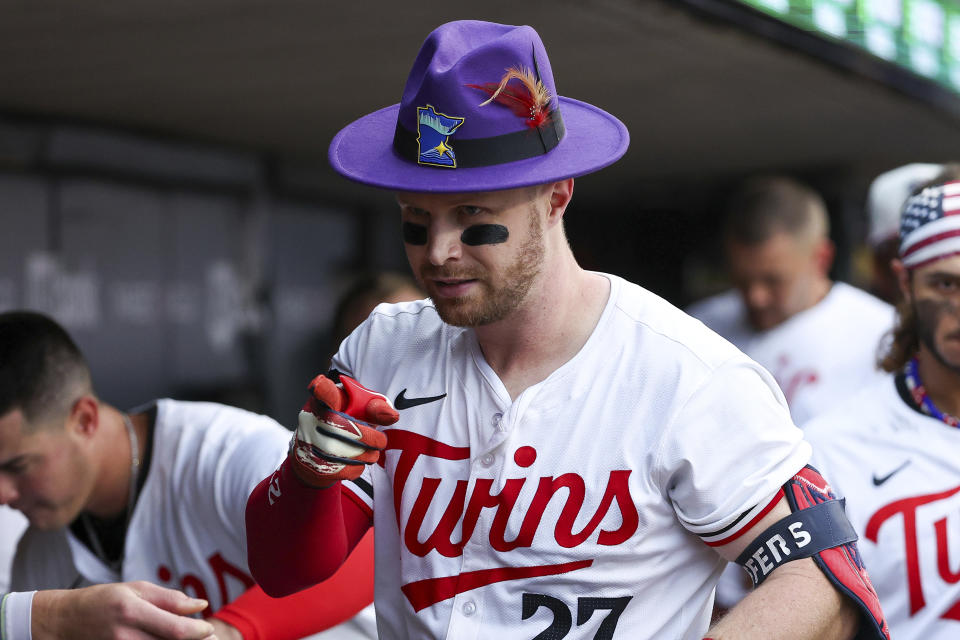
point(433, 133)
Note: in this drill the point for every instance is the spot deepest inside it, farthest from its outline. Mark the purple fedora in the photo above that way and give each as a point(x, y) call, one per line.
point(480, 112)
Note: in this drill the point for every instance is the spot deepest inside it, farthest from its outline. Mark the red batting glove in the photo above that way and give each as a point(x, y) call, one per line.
point(337, 432)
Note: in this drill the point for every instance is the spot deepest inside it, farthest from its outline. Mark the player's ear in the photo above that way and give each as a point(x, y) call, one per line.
point(560, 195)
point(84, 418)
point(902, 275)
point(823, 255)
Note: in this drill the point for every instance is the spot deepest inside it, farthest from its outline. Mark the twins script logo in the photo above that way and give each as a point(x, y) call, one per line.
point(907, 508)
point(424, 593)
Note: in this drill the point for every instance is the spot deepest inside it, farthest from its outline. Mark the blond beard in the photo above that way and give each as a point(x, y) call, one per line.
point(496, 304)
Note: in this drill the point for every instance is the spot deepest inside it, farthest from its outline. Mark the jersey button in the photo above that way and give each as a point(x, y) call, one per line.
point(496, 418)
point(469, 608)
point(487, 460)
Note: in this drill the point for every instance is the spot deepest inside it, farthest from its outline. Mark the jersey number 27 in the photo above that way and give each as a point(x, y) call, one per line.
point(563, 619)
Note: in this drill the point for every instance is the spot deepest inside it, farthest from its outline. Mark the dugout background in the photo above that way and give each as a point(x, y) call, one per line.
point(164, 191)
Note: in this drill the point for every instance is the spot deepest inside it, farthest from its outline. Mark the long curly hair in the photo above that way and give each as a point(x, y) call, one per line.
point(903, 342)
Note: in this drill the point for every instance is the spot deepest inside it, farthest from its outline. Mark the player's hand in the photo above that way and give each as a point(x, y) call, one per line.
point(337, 432)
point(131, 610)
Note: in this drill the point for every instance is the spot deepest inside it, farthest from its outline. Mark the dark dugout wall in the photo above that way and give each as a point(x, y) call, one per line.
point(178, 270)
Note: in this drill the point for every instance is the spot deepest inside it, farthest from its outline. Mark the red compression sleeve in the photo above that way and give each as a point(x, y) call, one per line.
point(298, 535)
point(337, 599)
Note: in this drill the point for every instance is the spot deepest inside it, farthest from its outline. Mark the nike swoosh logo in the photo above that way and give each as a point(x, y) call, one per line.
point(403, 402)
point(879, 481)
point(424, 593)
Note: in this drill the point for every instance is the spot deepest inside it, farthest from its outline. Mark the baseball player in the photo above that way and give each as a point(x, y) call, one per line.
point(157, 495)
point(885, 199)
point(548, 452)
point(818, 338)
point(103, 611)
point(903, 493)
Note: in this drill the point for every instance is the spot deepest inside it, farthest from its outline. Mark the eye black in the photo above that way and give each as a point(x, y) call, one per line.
point(484, 234)
point(414, 233)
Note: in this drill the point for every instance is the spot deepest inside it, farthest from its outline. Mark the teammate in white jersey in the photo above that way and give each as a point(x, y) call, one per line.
point(157, 495)
point(903, 491)
point(574, 457)
point(818, 338)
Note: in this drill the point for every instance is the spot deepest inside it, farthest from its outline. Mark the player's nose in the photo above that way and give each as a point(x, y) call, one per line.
point(8, 489)
point(443, 244)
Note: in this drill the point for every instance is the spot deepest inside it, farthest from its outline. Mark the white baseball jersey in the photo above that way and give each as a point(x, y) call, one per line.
point(187, 531)
point(12, 525)
point(582, 509)
point(900, 472)
point(818, 356)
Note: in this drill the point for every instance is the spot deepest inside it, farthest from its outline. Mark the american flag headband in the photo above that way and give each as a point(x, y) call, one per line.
point(930, 225)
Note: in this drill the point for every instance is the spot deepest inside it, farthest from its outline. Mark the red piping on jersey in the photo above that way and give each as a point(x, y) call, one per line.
point(749, 525)
point(424, 593)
